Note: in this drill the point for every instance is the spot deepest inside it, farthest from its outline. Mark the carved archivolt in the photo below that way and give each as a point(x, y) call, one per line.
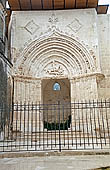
point(55, 54)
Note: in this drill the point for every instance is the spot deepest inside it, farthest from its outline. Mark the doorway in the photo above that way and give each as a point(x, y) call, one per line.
point(55, 91)
point(56, 95)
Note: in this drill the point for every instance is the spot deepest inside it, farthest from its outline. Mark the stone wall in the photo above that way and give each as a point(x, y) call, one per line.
point(3, 82)
point(5, 71)
point(84, 88)
point(60, 45)
point(104, 50)
point(27, 89)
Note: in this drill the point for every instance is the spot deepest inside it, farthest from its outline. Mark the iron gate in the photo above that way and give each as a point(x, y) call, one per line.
point(70, 126)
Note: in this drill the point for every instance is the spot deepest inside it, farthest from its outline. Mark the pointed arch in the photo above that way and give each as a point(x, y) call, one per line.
point(56, 86)
point(56, 54)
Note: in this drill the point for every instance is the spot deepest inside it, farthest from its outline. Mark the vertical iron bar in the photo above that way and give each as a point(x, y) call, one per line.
point(79, 122)
point(8, 121)
point(24, 122)
point(5, 120)
point(32, 126)
point(20, 124)
point(87, 123)
point(12, 122)
point(28, 126)
point(63, 123)
point(107, 122)
point(36, 127)
point(67, 125)
point(91, 124)
point(75, 108)
point(103, 121)
point(71, 124)
point(99, 124)
point(6, 125)
point(94, 109)
point(16, 133)
point(51, 125)
point(43, 126)
point(59, 126)
point(40, 109)
point(12, 116)
point(83, 123)
point(55, 122)
point(47, 124)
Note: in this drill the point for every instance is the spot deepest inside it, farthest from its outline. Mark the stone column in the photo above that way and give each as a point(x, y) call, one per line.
point(39, 107)
point(72, 91)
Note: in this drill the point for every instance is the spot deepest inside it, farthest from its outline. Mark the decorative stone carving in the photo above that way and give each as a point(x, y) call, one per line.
point(71, 57)
point(75, 25)
point(53, 19)
point(54, 69)
point(31, 27)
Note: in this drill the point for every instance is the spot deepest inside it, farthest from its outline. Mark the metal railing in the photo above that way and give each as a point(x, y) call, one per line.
point(70, 126)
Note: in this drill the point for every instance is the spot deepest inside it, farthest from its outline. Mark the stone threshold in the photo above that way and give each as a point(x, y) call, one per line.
point(52, 153)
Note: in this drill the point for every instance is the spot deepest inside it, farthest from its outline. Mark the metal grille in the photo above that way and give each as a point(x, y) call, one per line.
point(69, 126)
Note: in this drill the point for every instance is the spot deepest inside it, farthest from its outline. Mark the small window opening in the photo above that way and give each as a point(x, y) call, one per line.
point(56, 87)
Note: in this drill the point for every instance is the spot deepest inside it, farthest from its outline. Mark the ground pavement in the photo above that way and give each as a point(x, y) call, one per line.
point(56, 162)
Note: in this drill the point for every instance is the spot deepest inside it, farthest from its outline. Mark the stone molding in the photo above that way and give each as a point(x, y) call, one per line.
point(75, 25)
point(17, 77)
point(70, 55)
point(97, 75)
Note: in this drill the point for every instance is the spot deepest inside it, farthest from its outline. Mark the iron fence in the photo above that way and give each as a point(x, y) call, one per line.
point(69, 126)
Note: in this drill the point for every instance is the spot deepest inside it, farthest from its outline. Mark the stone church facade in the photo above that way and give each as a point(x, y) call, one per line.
point(67, 47)
point(61, 59)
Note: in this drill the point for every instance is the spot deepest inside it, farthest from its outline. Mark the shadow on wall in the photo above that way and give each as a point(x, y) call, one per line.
point(102, 168)
point(3, 94)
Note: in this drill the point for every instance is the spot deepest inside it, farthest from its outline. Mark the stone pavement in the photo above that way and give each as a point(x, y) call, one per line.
point(73, 162)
